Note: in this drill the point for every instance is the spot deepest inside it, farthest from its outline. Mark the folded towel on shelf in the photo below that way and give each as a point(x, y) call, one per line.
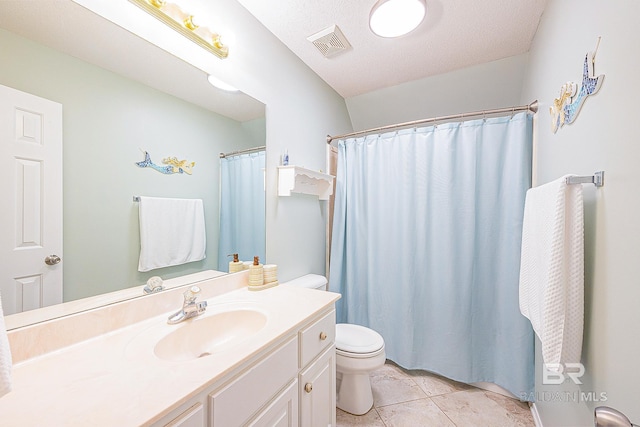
point(5, 357)
point(552, 269)
point(172, 232)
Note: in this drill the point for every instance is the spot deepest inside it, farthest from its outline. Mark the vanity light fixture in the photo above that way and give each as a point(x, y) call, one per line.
point(221, 85)
point(184, 23)
point(395, 18)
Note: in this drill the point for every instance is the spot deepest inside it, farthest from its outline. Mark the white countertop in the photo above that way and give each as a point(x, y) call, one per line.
point(116, 380)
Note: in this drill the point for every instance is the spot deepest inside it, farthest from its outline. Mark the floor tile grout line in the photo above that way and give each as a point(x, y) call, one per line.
point(399, 375)
point(411, 377)
point(406, 376)
point(413, 400)
point(380, 416)
point(426, 396)
point(400, 403)
point(445, 414)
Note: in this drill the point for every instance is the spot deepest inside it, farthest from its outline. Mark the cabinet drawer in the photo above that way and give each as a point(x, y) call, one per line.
point(234, 404)
point(317, 337)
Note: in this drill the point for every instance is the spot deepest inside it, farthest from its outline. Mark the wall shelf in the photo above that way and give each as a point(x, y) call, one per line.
point(294, 179)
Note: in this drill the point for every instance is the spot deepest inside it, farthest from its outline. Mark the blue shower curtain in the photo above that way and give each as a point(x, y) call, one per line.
point(426, 247)
point(242, 208)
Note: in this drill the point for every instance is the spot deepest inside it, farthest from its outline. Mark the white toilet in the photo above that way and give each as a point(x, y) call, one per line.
point(359, 350)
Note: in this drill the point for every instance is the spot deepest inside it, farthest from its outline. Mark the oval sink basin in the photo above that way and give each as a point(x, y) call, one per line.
point(203, 336)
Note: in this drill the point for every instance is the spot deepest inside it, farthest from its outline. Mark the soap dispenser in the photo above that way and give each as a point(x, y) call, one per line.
point(256, 274)
point(235, 265)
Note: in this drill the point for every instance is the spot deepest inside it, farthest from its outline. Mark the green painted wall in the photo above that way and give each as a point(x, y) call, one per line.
point(603, 137)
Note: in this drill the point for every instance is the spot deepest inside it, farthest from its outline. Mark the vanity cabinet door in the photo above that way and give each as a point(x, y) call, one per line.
point(282, 412)
point(237, 402)
point(192, 417)
point(318, 391)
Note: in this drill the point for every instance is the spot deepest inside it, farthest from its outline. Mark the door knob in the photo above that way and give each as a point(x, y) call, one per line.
point(52, 260)
point(606, 416)
point(308, 387)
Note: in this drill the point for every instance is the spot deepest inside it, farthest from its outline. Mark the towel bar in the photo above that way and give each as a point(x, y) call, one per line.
point(596, 179)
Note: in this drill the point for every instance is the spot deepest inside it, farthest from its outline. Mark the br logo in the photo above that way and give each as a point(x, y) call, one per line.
point(556, 373)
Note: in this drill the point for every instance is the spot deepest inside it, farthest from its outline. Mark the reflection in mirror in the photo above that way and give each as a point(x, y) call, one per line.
point(242, 206)
point(121, 96)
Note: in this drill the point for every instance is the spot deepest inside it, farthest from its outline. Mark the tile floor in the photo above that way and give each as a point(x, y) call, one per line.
point(418, 398)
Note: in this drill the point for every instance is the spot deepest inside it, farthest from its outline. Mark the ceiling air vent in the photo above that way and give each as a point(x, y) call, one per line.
point(330, 41)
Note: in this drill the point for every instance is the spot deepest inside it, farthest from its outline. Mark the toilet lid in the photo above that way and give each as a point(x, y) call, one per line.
point(357, 339)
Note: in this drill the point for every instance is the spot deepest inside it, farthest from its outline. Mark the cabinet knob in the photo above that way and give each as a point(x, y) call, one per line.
point(323, 336)
point(308, 387)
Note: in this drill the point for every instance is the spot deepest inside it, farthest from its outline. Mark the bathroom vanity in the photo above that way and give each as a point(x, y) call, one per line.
point(252, 358)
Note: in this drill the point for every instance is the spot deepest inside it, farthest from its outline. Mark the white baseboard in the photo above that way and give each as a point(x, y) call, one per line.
point(535, 414)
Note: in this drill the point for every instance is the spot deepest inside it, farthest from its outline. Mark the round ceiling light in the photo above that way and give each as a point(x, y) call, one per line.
point(221, 85)
point(395, 18)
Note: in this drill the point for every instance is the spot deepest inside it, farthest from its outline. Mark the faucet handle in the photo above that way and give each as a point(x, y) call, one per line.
point(191, 294)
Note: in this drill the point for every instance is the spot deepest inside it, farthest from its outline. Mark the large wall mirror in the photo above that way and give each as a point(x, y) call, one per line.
point(121, 96)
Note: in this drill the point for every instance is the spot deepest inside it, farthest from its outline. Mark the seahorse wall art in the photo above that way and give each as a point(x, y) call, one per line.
point(565, 108)
point(173, 165)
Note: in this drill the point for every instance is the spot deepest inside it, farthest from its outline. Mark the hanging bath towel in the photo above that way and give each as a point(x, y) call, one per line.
point(172, 232)
point(552, 269)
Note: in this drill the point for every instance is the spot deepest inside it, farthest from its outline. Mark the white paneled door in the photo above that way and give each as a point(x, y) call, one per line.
point(31, 211)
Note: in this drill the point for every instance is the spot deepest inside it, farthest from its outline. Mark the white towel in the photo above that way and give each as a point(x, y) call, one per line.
point(5, 357)
point(172, 232)
point(552, 269)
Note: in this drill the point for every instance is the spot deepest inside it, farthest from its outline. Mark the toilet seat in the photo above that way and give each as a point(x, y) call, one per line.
point(358, 341)
point(359, 355)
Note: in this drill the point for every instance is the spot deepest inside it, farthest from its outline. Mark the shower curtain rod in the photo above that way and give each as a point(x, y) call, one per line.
point(533, 107)
point(248, 150)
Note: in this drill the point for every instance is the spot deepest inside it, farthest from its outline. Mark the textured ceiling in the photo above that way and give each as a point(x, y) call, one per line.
point(455, 34)
point(74, 30)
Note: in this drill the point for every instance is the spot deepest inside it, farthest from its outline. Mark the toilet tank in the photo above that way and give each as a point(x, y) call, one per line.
point(312, 281)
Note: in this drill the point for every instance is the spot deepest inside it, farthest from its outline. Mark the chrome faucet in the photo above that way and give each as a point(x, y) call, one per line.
point(190, 308)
